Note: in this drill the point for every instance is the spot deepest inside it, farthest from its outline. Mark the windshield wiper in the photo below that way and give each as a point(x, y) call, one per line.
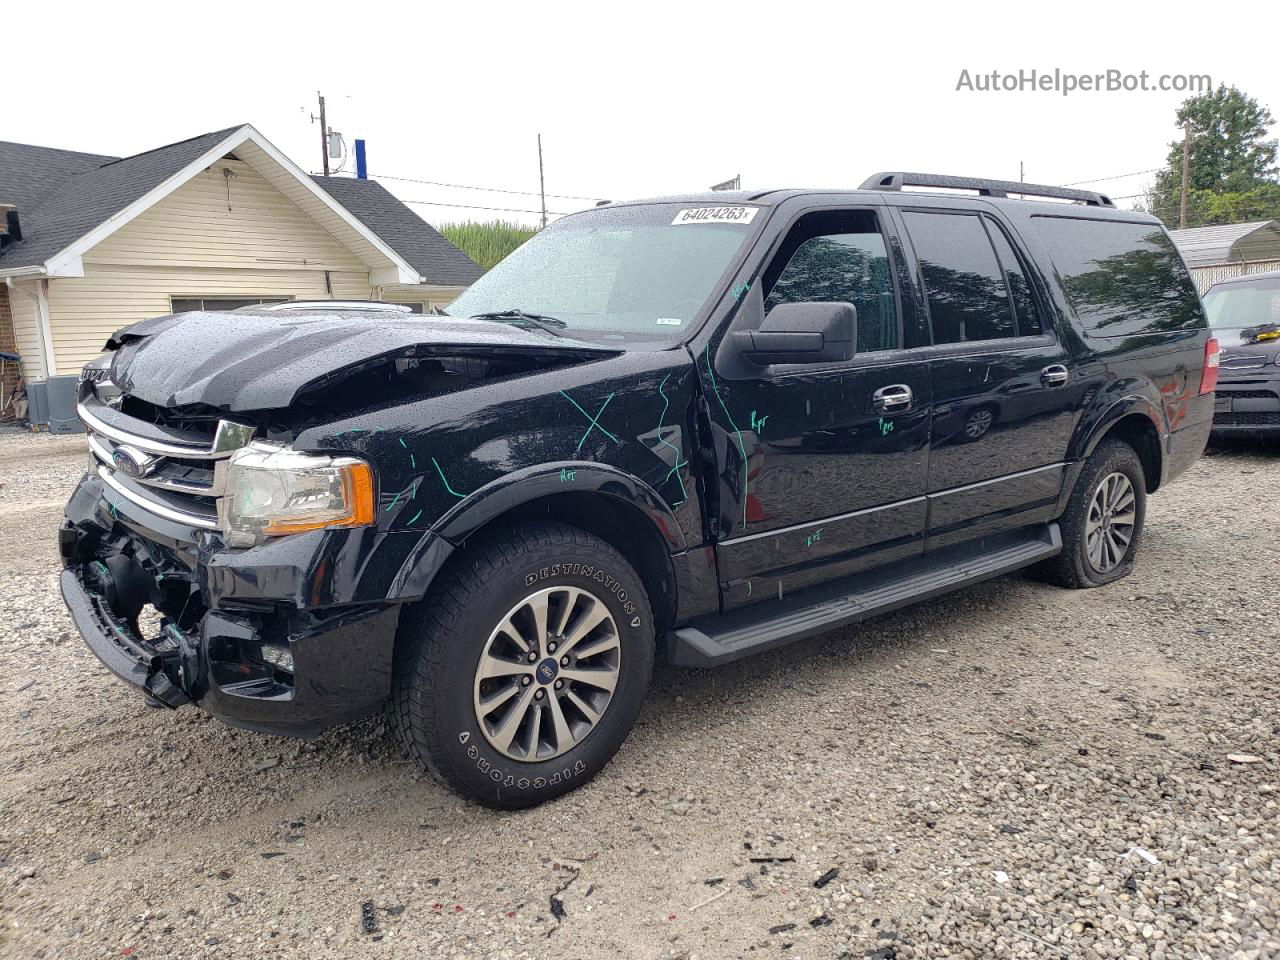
point(518, 317)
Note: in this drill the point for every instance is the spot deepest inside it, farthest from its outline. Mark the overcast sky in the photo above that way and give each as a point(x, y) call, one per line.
point(631, 99)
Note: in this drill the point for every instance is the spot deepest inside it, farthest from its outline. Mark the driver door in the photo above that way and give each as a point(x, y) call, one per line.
point(823, 466)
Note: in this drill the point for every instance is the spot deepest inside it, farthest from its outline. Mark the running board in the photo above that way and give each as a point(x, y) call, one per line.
point(710, 641)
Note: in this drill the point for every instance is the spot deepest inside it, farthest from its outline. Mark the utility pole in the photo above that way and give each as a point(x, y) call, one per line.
point(1022, 173)
point(1186, 173)
point(324, 136)
point(542, 184)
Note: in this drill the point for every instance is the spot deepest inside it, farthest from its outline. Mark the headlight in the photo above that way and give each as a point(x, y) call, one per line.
point(270, 491)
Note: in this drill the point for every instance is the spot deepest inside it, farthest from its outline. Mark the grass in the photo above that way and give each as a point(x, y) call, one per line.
point(487, 243)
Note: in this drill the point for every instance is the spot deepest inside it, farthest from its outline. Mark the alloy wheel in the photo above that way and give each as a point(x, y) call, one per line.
point(1109, 525)
point(547, 673)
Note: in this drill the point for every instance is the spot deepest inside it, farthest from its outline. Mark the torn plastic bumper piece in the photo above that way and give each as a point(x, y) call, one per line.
point(113, 642)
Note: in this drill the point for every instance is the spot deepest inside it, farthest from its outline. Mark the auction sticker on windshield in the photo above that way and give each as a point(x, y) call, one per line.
point(715, 215)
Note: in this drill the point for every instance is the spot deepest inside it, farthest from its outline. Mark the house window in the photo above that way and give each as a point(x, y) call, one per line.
point(183, 304)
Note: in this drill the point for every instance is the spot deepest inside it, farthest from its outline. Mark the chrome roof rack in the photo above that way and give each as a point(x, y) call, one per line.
point(985, 188)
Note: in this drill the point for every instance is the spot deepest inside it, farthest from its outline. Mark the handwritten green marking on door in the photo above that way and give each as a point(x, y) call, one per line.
point(886, 426)
point(757, 423)
point(666, 402)
point(737, 433)
point(815, 537)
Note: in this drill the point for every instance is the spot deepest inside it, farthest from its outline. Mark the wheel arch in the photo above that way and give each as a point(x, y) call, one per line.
point(1135, 421)
point(620, 509)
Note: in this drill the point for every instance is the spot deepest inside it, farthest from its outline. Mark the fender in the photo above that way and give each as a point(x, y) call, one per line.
point(524, 486)
point(1092, 428)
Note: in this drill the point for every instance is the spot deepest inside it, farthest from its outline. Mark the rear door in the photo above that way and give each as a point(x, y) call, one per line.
point(1005, 395)
point(823, 466)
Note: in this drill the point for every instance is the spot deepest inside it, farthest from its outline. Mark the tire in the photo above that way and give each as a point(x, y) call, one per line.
point(440, 698)
point(1077, 566)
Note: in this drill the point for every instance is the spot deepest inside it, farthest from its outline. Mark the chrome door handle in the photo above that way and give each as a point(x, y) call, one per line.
point(892, 399)
point(1055, 375)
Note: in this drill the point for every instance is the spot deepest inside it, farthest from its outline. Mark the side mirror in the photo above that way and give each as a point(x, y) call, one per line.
point(802, 333)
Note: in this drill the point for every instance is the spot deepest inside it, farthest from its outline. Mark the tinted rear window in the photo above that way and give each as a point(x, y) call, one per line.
point(1124, 279)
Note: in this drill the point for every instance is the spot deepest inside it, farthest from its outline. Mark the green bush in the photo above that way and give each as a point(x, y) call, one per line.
point(487, 243)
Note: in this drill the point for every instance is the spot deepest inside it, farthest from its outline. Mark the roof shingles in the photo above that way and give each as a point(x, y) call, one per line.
point(434, 257)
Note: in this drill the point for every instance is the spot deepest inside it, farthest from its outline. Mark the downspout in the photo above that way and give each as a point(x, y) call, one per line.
point(41, 298)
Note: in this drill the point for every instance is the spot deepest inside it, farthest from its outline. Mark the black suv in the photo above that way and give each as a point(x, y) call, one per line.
point(1244, 314)
point(701, 426)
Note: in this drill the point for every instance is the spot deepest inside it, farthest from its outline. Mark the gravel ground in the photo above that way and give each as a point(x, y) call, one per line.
point(1012, 771)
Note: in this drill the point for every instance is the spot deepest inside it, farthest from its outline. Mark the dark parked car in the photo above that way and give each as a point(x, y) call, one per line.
point(1244, 313)
point(697, 427)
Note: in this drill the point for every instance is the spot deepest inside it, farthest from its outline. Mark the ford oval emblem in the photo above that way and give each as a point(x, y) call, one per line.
point(134, 463)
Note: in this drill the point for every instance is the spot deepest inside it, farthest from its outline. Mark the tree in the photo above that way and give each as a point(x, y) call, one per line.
point(1232, 164)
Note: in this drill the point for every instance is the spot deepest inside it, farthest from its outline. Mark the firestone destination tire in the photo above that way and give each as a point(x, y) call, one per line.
point(522, 672)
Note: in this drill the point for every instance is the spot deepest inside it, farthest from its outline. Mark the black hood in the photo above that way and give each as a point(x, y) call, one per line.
point(245, 361)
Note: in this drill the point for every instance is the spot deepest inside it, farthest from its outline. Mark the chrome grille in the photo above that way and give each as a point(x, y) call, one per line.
point(170, 473)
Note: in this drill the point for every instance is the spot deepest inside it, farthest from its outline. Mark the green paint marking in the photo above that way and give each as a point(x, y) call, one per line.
point(748, 588)
point(414, 518)
point(741, 288)
point(403, 444)
point(666, 402)
point(815, 537)
point(460, 496)
point(738, 433)
point(595, 421)
point(392, 504)
point(413, 461)
point(886, 426)
point(757, 423)
point(567, 475)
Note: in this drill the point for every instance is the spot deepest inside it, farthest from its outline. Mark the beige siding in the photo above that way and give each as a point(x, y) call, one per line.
point(26, 330)
point(429, 296)
point(215, 220)
point(86, 310)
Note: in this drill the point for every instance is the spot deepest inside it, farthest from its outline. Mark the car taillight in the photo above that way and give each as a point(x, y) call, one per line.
point(1209, 375)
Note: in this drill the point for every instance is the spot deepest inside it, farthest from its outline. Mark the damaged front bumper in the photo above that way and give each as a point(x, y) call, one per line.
point(286, 638)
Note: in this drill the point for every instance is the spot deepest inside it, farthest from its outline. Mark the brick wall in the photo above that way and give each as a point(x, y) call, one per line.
point(8, 344)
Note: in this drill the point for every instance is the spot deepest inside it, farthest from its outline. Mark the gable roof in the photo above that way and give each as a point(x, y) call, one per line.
point(92, 195)
point(438, 260)
point(1259, 240)
point(98, 195)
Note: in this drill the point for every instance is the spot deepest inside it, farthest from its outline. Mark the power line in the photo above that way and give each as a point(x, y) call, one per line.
point(1118, 176)
point(463, 186)
point(468, 206)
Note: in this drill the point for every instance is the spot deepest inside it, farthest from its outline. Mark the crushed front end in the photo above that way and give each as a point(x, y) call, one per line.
point(283, 637)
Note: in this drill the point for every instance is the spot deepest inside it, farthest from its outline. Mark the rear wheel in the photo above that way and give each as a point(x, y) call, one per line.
point(522, 673)
point(1103, 520)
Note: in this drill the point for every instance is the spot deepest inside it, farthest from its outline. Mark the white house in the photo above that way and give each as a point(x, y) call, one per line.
point(213, 222)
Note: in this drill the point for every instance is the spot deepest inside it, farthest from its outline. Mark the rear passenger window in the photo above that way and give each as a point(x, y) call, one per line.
point(968, 299)
point(1124, 279)
point(838, 256)
point(1026, 313)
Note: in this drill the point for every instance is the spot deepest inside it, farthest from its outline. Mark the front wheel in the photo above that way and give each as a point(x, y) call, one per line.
point(522, 673)
point(1103, 520)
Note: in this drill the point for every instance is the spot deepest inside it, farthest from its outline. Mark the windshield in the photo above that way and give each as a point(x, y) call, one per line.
point(1252, 308)
point(617, 274)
